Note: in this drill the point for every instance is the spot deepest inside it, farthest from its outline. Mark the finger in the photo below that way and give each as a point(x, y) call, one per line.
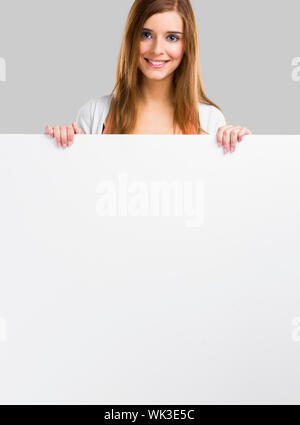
point(64, 136)
point(57, 135)
point(219, 135)
point(77, 129)
point(243, 132)
point(49, 130)
point(70, 136)
point(233, 137)
point(226, 138)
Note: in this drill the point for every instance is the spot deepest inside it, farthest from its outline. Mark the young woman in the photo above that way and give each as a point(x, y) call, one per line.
point(158, 86)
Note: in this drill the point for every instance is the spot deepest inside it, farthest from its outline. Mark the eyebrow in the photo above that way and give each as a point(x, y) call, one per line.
point(168, 32)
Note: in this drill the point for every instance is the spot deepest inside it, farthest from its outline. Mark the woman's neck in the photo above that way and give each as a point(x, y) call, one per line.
point(157, 92)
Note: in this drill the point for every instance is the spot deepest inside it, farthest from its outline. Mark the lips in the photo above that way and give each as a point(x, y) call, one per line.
point(153, 66)
point(156, 60)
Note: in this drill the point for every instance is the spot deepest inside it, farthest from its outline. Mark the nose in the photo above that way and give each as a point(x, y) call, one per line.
point(157, 48)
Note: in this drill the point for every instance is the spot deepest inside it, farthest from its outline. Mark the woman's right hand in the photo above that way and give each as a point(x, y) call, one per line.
point(63, 134)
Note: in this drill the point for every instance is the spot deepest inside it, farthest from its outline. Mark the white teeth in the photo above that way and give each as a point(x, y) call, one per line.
point(156, 63)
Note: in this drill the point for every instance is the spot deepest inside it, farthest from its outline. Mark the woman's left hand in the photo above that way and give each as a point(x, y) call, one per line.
point(229, 135)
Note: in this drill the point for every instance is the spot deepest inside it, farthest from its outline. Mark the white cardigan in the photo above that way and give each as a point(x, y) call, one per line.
point(91, 116)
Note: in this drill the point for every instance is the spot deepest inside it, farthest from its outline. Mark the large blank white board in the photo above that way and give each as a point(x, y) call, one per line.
point(147, 309)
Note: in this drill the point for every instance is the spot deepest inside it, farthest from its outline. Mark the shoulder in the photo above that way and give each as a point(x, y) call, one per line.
point(94, 106)
point(92, 114)
point(211, 118)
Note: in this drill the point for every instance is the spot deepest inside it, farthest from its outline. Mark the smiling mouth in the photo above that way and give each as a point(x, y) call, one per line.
point(157, 65)
point(157, 61)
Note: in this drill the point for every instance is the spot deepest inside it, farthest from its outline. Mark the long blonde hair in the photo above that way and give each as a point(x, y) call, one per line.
point(187, 81)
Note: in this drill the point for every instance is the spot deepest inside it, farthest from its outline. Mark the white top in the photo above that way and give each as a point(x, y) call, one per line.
point(91, 116)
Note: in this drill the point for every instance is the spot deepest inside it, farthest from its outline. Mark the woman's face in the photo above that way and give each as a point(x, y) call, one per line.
point(162, 39)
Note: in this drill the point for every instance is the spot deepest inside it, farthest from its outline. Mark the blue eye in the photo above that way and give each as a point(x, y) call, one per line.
point(174, 36)
point(144, 33)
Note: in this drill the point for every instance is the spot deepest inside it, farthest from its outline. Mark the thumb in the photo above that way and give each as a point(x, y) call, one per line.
point(48, 130)
point(77, 130)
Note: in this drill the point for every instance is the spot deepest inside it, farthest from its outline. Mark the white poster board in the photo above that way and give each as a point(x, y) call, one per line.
point(149, 270)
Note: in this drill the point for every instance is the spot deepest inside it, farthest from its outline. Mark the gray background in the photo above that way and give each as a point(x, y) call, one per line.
point(60, 54)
